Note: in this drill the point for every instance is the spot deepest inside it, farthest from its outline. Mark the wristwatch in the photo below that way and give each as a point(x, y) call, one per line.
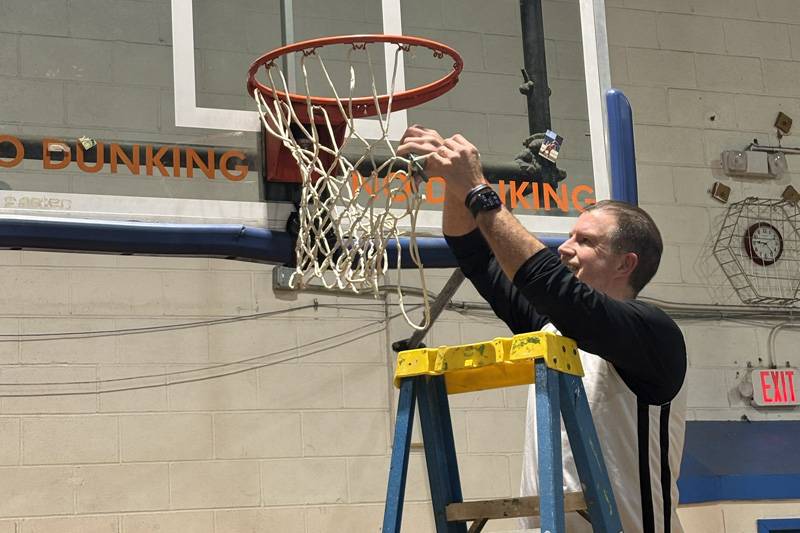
point(482, 198)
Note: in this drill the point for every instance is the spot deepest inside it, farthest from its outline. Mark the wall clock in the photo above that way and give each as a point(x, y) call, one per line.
point(763, 243)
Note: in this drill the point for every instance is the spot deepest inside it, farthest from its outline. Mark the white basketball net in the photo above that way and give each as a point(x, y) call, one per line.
point(347, 220)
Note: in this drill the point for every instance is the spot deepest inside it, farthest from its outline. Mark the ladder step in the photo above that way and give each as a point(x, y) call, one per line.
point(508, 507)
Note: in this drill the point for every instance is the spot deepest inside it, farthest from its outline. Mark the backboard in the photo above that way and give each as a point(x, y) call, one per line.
point(161, 93)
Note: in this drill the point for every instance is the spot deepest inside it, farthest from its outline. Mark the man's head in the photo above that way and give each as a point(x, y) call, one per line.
point(615, 247)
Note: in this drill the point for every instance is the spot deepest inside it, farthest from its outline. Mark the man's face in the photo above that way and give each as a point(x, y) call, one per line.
point(588, 253)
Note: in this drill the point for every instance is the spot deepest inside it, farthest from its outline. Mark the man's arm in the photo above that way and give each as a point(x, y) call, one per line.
point(481, 268)
point(511, 243)
point(474, 256)
point(509, 240)
point(456, 218)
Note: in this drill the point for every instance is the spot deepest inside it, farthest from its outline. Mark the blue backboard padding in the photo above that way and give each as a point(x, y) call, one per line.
point(257, 244)
point(207, 240)
point(740, 461)
point(200, 240)
point(622, 153)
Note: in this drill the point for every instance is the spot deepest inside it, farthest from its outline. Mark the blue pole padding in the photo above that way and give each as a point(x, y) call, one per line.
point(436, 254)
point(232, 241)
point(621, 148)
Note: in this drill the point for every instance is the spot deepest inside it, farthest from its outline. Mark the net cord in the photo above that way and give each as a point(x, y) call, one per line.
point(357, 255)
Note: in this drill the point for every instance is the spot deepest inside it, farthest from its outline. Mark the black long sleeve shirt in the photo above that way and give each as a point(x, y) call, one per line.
point(643, 344)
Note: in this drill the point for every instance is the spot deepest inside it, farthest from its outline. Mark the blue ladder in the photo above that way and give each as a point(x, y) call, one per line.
point(557, 392)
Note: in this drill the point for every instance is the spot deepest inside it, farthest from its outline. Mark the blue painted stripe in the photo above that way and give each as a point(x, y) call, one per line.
point(699, 489)
point(740, 461)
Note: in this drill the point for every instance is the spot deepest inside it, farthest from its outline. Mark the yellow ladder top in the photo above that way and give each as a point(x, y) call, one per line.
point(501, 362)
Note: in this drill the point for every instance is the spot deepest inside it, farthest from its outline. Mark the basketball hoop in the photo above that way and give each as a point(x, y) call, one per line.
point(347, 216)
point(358, 107)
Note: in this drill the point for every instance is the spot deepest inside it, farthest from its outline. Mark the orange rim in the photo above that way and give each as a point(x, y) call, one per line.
point(365, 106)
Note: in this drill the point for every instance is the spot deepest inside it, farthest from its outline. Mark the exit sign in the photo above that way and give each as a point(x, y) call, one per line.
point(775, 387)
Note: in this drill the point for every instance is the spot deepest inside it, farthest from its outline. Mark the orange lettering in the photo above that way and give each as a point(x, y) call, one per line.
point(223, 165)
point(116, 152)
point(98, 164)
point(576, 202)
point(516, 194)
point(501, 190)
point(176, 161)
point(151, 160)
point(192, 157)
point(429, 190)
point(49, 163)
point(20, 151)
point(561, 201)
point(356, 179)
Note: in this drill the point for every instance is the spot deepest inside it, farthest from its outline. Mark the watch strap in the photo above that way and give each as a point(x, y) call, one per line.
point(482, 198)
point(473, 192)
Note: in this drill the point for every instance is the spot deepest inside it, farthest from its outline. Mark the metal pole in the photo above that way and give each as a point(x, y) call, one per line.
point(442, 299)
point(535, 71)
point(537, 92)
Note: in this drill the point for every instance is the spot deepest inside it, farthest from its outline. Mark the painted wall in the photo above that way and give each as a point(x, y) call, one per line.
point(705, 77)
point(244, 422)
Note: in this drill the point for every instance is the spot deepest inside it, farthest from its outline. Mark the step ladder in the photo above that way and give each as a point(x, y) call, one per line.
point(426, 376)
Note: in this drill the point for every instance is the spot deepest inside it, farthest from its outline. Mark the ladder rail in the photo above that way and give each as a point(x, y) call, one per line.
point(398, 469)
point(588, 456)
point(548, 440)
point(440, 451)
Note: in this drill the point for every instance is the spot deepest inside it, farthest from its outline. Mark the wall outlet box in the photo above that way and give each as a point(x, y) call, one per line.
point(746, 163)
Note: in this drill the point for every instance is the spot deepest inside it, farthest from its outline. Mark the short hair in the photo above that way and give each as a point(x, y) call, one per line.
point(635, 232)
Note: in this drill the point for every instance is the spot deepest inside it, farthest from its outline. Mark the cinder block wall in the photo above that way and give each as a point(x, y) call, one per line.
point(223, 427)
point(704, 77)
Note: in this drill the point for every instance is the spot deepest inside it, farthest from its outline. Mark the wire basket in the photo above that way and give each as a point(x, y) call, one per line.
point(774, 281)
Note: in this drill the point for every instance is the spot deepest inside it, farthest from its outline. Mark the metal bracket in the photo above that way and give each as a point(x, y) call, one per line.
point(281, 275)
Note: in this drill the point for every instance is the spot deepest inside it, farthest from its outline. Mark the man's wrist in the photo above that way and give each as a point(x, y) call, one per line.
point(482, 198)
point(474, 191)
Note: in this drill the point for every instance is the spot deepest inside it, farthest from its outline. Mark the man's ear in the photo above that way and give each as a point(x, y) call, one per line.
point(628, 263)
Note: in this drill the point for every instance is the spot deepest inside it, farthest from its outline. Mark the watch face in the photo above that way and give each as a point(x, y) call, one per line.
point(763, 243)
point(489, 201)
point(485, 200)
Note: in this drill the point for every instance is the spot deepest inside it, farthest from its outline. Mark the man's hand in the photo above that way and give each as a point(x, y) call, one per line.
point(455, 159)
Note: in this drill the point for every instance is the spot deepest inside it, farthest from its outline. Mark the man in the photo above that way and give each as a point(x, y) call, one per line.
point(633, 354)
